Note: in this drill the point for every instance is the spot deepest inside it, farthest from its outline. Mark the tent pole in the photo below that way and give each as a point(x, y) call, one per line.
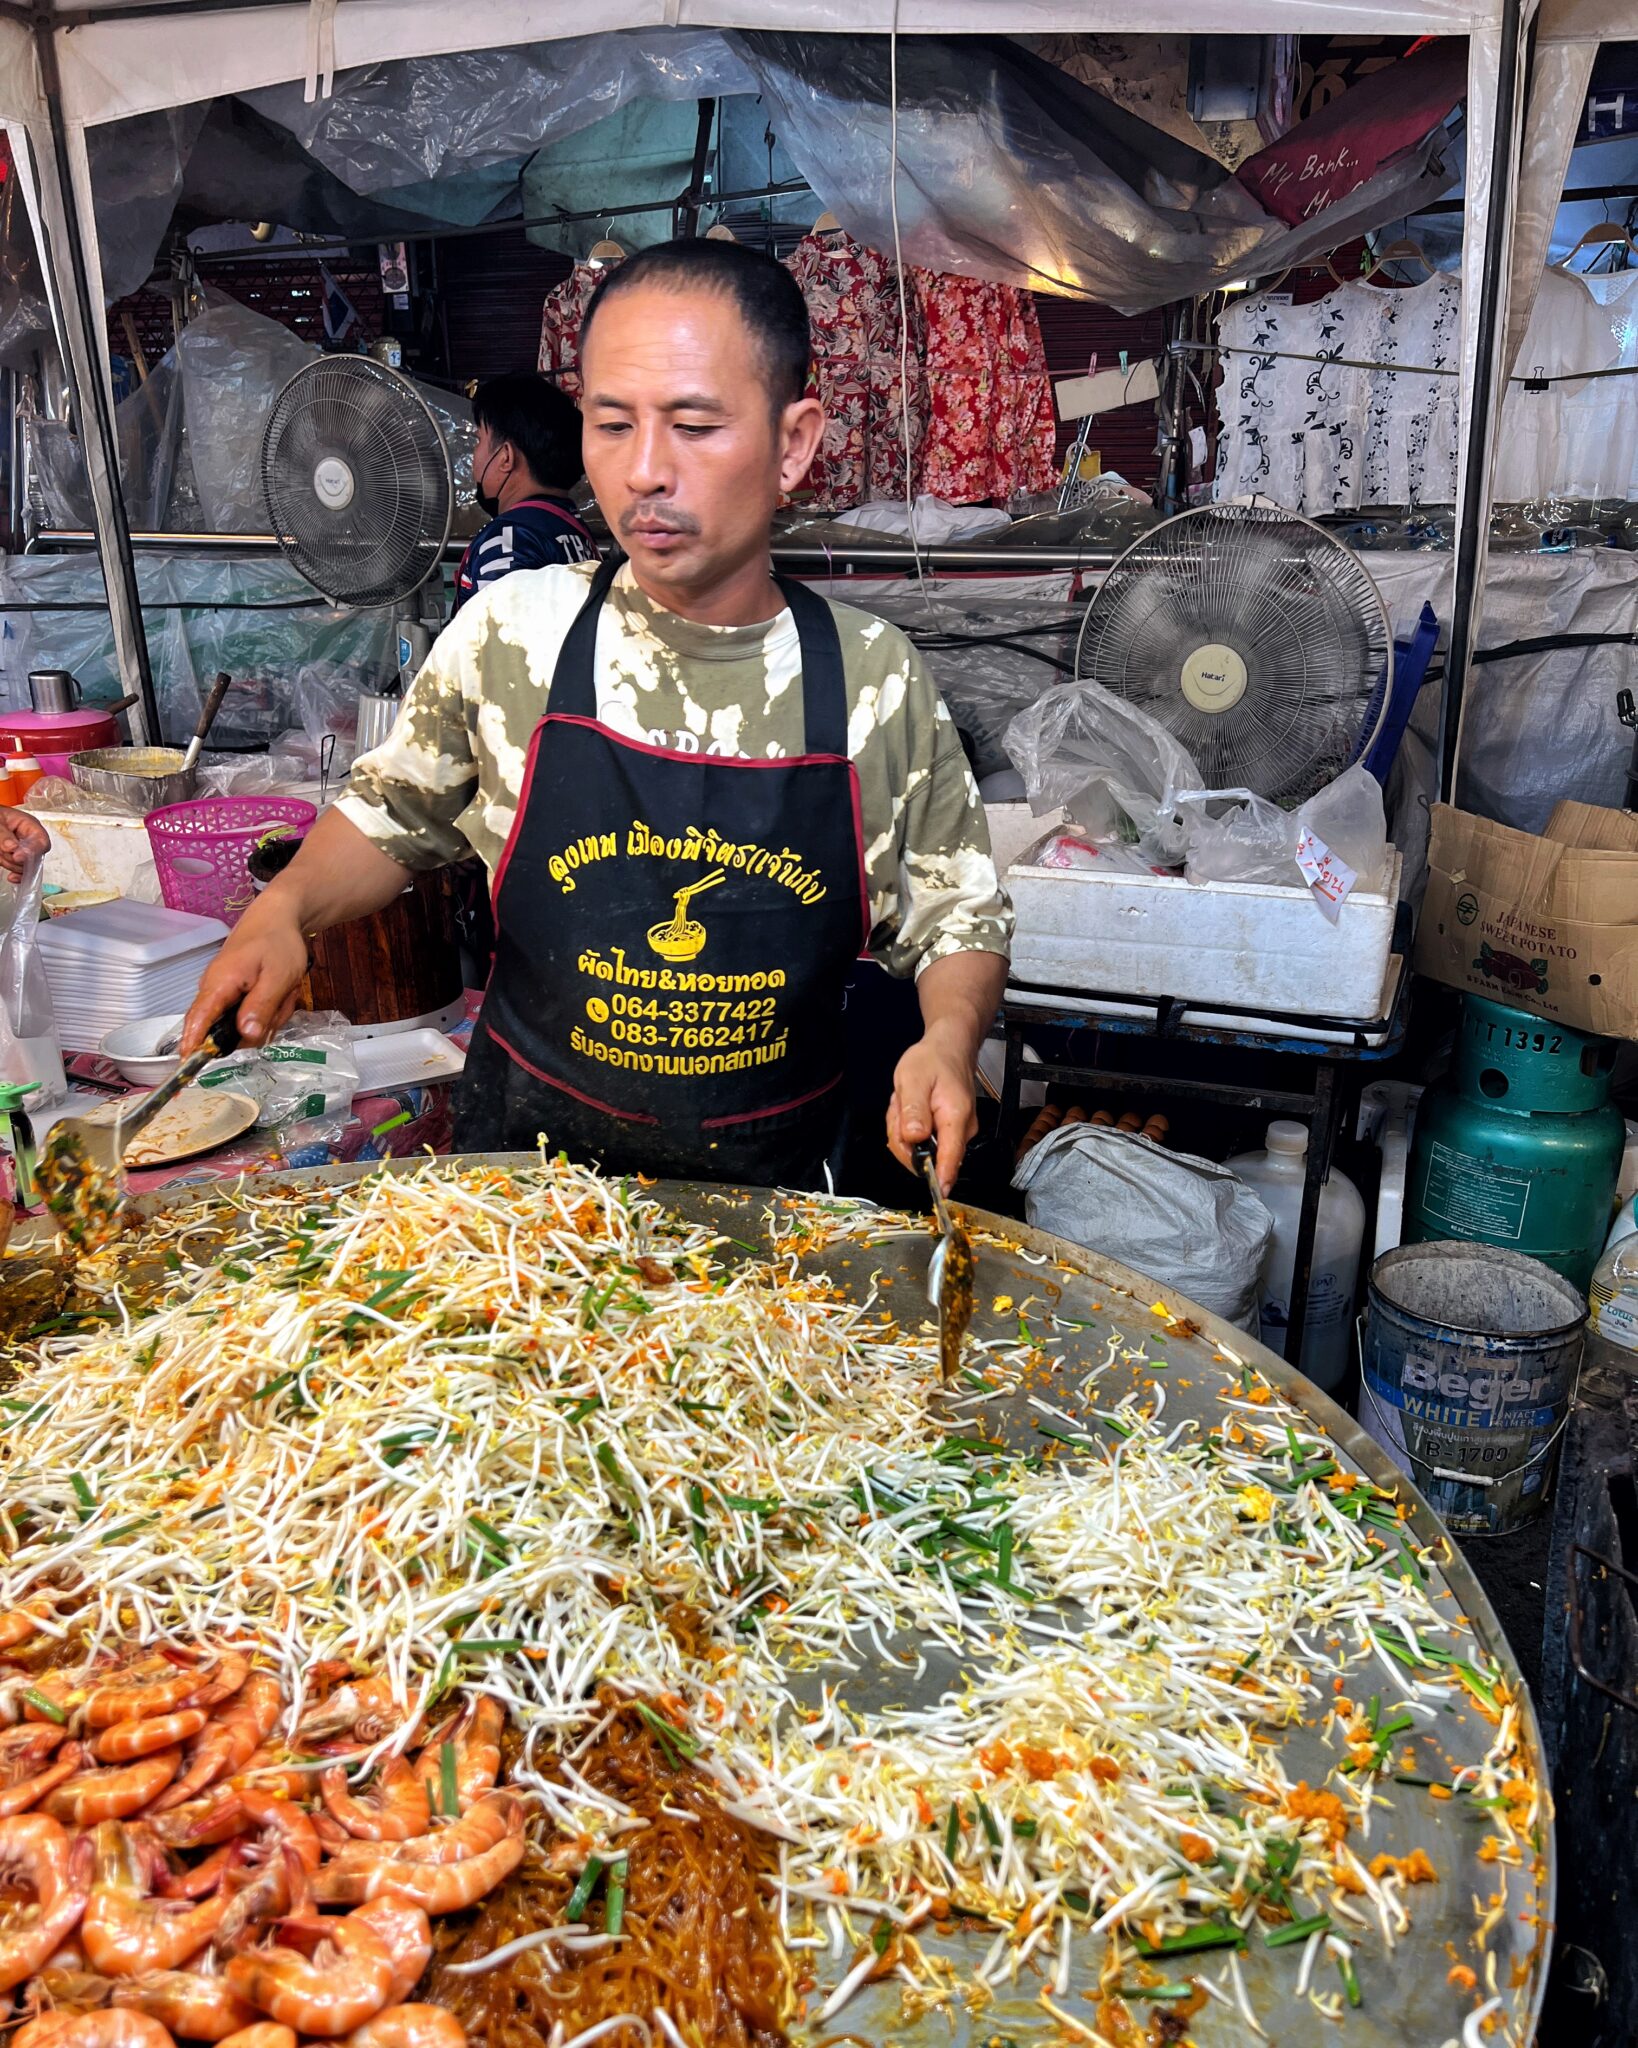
point(1472, 535)
point(78, 316)
point(696, 177)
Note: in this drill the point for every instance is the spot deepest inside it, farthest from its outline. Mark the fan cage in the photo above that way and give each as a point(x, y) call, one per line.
point(1296, 607)
point(388, 538)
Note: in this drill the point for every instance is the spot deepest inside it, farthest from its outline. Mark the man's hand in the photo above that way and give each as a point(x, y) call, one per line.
point(337, 875)
point(258, 972)
point(22, 839)
point(933, 1087)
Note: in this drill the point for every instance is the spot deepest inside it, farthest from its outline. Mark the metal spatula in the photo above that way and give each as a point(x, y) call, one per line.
point(78, 1171)
point(951, 1272)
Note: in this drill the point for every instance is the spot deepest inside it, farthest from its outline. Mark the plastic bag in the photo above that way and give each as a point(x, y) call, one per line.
point(28, 1027)
point(1252, 840)
point(1186, 1223)
point(1108, 856)
point(309, 1073)
point(1080, 747)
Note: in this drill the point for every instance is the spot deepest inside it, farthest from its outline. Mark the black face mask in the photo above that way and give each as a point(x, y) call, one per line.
point(487, 504)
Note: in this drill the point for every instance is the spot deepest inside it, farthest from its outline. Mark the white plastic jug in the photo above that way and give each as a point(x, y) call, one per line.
point(1277, 1175)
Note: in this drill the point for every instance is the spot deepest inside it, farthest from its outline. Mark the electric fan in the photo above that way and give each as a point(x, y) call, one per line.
point(1254, 637)
point(357, 481)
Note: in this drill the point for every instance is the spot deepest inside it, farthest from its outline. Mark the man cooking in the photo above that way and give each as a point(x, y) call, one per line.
point(701, 790)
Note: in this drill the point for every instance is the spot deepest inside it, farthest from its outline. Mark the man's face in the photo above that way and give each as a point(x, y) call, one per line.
point(683, 446)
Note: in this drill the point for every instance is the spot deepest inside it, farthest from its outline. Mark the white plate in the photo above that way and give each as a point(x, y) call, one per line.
point(199, 1120)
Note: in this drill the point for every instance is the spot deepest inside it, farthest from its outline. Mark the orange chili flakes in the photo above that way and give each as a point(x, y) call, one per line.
point(1302, 1802)
point(996, 1758)
point(1042, 1764)
point(924, 1809)
point(1462, 1977)
point(1196, 1847)
point(836, 1881)
point(1258, 1395)
point(1412, 1869)
point(1104, 1769)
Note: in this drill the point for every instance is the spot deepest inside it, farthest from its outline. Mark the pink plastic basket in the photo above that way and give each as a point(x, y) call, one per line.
point(201, 849)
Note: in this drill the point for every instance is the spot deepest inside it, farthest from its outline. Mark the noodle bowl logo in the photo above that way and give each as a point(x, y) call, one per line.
point(681, 937)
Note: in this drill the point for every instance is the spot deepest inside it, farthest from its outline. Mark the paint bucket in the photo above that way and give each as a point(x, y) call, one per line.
point(1469, 1361)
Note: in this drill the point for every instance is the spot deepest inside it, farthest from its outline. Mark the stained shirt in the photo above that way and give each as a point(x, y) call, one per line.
point(449, 777)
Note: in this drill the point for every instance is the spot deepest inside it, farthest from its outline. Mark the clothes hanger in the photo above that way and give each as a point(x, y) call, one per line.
point(1602, 234)
point(1402, 251)
point(606, 252)
point(719, 233)
point(827, 224)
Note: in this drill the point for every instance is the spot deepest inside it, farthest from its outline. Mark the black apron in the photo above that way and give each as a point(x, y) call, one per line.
point(674, 932)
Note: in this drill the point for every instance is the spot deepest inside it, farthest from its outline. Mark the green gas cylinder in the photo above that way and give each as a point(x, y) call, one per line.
point(1520, 1145)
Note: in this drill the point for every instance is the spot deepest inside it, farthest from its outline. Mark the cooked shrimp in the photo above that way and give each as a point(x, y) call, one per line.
point(29, 1745)
point(365, 1707)
point(390, 1811)
point(221, 1681)
point(344, 1981)
point(269, 1770)
point(61, 1987)
point(92, 1796)
point(477, 1754)
point(282, 1821)
point(190, 2003)
point(194, 1880)
point(128, 1740)
point(202, 1823)
point(19, 1623)
point(280, 1889)
point(436, 1887)
point(26, 1782)
point(229, 1741)
point(406, 1934)
point(56, 1698)
point(264, 2034)
point(410, 2026)
point(109, 2029)
point(36, 1857)
point(126, 1932)
point(152, 1685)
point(484, 1824)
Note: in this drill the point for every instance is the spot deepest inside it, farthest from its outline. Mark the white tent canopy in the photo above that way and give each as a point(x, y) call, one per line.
point(121, 59)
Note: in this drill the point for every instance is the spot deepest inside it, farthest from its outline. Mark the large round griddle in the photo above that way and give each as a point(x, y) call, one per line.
point(1408, 1999)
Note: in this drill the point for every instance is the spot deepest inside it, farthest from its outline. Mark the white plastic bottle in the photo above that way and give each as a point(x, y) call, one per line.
point(1612, 1319)
point(1277, 1174)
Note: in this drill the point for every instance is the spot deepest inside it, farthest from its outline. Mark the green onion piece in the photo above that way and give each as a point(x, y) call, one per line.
point(1373, 1710)
point(952, 1834)
point(272, 1386)
point(126, 1529)
point(1003, 1567)
point(1350, 1980)
point(82, 1492)
point(668, 1731)
point(1077, 1902)
point(1405, 1778)
point(490, 1534)
point(448, 1793)
point(42, 1705)
point(1026, 1828)
point(882, 1937)
point(237, 1272)
point(1397, 1726)
point(1299, 1930)
point(480, 1646)
point(585, 1885)
point(990, 1827)
point(614, 1898)
point(1156, 1991)
point(1209, 1935)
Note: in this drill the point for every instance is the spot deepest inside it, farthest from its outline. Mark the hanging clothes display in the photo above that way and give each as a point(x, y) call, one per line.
point(991, 427)
point(852, 295)
point(1577, 438)
point(1350, 400)
point(560, 320)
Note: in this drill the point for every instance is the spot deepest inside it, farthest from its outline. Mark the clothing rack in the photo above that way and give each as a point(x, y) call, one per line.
point(1531, 380)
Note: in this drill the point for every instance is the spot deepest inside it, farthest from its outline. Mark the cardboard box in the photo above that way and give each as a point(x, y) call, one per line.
point(1547, 924)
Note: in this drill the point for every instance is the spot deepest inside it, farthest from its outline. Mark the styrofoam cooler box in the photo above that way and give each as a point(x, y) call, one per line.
point(1251, 945)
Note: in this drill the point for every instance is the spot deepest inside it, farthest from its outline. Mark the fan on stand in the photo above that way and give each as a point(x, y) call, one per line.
point(360, 494)
point(1254, 637)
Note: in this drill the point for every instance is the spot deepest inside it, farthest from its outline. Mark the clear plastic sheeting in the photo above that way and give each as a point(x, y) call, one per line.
point(297, 663)
point(401, 124)
point(25, 317)
point(156, 475)
point(1012, 170)
point(137, 170)
point(1116, 770)
point(234, 363)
